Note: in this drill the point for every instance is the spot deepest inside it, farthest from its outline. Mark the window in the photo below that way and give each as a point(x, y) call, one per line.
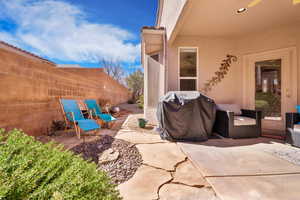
point(188, 69)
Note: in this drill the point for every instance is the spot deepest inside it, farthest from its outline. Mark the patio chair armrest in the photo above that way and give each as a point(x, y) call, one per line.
point(291, 119)
point(225, 115)
point(224, 122)
point(255, 114)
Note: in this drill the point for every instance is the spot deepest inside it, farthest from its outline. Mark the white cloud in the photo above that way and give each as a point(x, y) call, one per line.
point(60, 30)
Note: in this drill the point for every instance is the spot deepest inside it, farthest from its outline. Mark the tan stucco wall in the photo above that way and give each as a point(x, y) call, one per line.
point(111, 90)
point(171, 12)
point(30, 89)
point(276, 38)
point(211, 52)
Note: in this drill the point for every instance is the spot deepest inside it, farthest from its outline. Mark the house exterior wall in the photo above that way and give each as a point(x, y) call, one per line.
point(211, 52)
point(273, 39)
point(171, 12)
point(30, 91)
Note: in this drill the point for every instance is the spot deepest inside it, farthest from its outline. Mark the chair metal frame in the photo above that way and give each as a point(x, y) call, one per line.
point(77, 128)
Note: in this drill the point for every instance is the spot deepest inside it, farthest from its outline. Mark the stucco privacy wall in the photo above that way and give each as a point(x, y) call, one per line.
point(111, 90)
point(30, 89)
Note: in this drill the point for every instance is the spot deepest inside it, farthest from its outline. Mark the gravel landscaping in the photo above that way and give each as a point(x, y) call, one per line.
point(291, 154)
point(120, 166)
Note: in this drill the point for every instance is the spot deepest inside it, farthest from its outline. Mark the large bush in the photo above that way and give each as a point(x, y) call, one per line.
point(140, 102)
point(32, 170)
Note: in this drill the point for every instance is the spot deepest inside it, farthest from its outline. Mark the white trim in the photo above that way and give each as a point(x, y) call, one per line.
point(197, 67)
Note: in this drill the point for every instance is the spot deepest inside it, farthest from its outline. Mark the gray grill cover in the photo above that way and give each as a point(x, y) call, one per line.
point(186, 116)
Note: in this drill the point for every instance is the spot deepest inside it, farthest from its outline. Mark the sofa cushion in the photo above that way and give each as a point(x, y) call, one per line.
point(297, 127)
point(244, 121)
point(230, 107)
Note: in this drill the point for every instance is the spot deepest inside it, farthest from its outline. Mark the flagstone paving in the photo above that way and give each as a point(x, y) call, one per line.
point(138, 137)
point(183, 192)
point(166, 173)
point(144, 184)
point(164, 156)
point(187, 174)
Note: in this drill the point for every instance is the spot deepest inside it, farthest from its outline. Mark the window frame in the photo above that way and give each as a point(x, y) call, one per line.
point(197, 67)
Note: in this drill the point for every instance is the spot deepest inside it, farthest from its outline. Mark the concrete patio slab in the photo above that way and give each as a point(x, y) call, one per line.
point(226, 157)
point(165, 156)
point(277, 187)
point(144, 184)
point(186, 173)
point(183, 192)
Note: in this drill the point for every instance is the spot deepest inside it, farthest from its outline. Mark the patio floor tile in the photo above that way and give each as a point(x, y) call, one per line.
point(214, 158)
point(138, 137)
point(187, 174)
point(165, 156)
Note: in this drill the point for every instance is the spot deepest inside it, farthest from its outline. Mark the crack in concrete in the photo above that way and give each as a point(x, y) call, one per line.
point(172, 173)
point(195, 186)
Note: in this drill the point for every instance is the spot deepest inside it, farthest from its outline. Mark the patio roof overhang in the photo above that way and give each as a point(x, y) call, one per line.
point(212, 18)
point(152, 39)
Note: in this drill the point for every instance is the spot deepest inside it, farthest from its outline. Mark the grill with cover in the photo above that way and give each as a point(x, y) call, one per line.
point(186, 116)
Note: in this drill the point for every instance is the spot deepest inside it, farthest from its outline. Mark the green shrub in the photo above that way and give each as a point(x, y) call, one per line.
point(140, 102)
point(32, 170)
point(261, 104)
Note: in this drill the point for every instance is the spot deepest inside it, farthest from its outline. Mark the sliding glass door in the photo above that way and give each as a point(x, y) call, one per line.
point(268, 88)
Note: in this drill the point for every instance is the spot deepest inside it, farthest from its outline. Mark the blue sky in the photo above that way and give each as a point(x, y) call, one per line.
point(78, 31)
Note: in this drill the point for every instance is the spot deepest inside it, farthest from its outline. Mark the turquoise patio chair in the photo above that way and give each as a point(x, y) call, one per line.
point(73, 114)
point(96, 110)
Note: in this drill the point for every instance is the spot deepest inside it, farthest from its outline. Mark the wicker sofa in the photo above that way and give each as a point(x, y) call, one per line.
point(242, 124)
point(293, 129)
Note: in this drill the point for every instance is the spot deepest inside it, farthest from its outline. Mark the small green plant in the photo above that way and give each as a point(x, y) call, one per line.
point(32, 170)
